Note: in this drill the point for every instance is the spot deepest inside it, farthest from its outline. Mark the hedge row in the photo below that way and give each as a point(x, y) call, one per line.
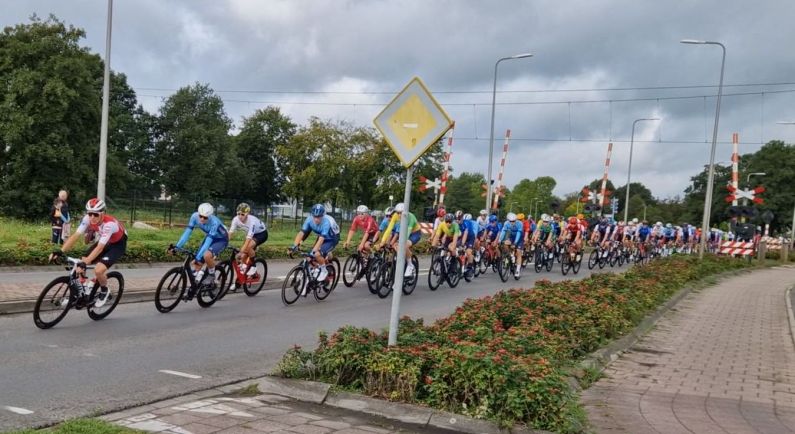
point(502, 357)
point(36, 252)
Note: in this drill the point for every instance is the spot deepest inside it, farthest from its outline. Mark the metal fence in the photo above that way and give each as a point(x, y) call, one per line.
point(175, 212)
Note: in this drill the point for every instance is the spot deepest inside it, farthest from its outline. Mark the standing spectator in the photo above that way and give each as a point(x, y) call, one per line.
point(56, 222)
point(65, 216)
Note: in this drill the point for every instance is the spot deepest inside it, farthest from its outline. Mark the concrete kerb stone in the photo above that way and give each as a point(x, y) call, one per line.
point(406, 413)
point(300, 390)
point(790, 314)
point(601, 358)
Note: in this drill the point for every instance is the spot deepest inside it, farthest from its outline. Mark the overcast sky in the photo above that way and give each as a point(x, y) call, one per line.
point(590, 60)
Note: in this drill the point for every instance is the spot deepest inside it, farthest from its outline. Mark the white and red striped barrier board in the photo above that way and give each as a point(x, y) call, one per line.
point(426, 228)
point(736, 248)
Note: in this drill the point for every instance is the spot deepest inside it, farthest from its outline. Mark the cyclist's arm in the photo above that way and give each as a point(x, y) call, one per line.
point(388, 230)
point(188, 229)
point(518, 238)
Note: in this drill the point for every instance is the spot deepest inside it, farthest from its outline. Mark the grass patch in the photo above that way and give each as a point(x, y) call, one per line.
point(82, 426)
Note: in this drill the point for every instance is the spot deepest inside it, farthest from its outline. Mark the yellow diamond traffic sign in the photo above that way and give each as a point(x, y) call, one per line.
point(412, 122)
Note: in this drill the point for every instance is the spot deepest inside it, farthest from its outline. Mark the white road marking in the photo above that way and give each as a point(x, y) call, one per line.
point(180, 374)
point(17, 410)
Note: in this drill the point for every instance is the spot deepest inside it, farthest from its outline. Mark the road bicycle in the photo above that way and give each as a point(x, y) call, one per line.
point(237, 278)
point(75, 291)
point(385, 281)
point(179, 284)
point(356, 266)
point(598, 256)
point(545, 257)
point(444, 267)
point(572, 260)
point(302, 279)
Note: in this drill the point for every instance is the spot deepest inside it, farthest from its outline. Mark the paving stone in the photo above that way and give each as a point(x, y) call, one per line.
point(309, 429)
point(333, 424)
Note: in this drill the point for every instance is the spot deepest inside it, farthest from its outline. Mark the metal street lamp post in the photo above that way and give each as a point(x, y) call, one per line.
point(629, 170)
point(491, 135)
point(510, 208)
point(535, 208)
point(792, 233)
point(711, 176)
point(103, 133)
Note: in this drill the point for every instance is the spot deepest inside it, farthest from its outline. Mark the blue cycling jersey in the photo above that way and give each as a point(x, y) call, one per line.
point(643, 232)
point(384, 223)
point(668, 233)
point(493, 230)
point(213, 227)
point(512, 231)
point(471, 228)
point(327, 228)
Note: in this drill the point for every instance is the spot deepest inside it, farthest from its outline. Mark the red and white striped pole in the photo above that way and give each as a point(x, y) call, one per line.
point(447, 156)
point(735, 164)
point(502, 168)
point(604, 178)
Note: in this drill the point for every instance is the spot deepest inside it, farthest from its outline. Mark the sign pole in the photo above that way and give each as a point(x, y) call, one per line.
point(397, 290)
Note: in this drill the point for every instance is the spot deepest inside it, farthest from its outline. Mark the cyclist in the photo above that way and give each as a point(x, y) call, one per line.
point(256, 234)
point(573, 233)
point(511, 235)
point(108, 248)
point(492, 231)
point(483, 219)
point(470, 231)
point(216, 240)
point(439, 216)
point(366, 223)
point(328, 232)
point(644, 232)
point(447, 233)
point(393, 230)
point(669, 235)
point(544, 232)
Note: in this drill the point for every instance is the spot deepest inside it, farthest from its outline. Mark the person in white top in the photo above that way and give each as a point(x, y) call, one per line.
point(483, 219)
point(256, 234)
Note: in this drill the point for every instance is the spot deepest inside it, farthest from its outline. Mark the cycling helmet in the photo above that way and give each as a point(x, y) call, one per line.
point(635, 220)
point(484, 212)
point(520, 216)
point(400, 207)
point(511, 217)
point(658, 224)
point(389, 211)
point(546, 218)
point(318, 210)
point(621, 223)
point(580, 216)
point(492, 218)
point(669, 226)
point(362, 209)
point(440, 212)
point(467, 216)
point(459, 214)
point(206, 210)
point(448, 218)
point(244, 208)
point(95, 205)
point(573, 220)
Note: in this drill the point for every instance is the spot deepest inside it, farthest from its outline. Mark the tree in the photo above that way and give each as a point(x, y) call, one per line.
point(526, 193)
point(193, 145)
point(49, 116)
point(463, 192)
point(640, 195)
point(777, 160)
point(696, 193)
point(260, 179)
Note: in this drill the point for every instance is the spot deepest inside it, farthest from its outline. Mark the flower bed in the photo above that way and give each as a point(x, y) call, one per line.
point(502, 357)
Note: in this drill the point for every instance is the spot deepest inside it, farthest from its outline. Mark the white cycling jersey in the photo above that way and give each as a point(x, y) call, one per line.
point(252, 226)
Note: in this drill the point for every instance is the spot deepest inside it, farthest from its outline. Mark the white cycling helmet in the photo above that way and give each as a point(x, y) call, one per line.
point(467, 216)
point(95, 205)
point(635, 220)
point(484, 212)
point(206, 210)
point(658, 224)
point(400, 207)
point(546, 218)
point(389, 211)
point(511, 217)
point(362, 209)
point(669, 226)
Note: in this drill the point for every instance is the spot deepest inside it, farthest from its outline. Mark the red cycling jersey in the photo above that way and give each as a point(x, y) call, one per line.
point(109, 229)
point(366, 223)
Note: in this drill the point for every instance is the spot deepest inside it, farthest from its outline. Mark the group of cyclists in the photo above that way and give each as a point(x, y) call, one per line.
point(457, 232)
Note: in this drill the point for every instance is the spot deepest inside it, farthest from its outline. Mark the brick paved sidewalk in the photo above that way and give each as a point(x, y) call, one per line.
point(722, 361)
point(230, 414)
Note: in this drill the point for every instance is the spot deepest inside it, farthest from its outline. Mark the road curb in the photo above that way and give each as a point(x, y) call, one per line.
point(790, 314)
point(601, 358)
point(422, 417)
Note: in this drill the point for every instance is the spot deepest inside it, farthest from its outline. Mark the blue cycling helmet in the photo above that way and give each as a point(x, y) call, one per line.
point(492, 218)
point(318, 210)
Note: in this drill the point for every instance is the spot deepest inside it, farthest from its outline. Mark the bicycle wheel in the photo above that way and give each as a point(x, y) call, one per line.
point(602, 260)
point(504, 267)
point(454, 272)
point(170, 289)
point(593, 259)
point(53, 303)
point(253, 288)
point(209, 294)
point(372, 274)
point(565, 264)
point(538, 263)
point(350, 271)
point(549, 263)
point(323, 289)
point(409, 283)
point(485, 260)
point(116, 288)
point(225, 267)
point(336, 262)
point(293, 285)
point(612, 259)
point(575, 266)
point(436, 274)
point(386, 279)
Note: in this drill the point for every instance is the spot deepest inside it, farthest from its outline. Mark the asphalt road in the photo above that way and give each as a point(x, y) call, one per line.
point(82, 367)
